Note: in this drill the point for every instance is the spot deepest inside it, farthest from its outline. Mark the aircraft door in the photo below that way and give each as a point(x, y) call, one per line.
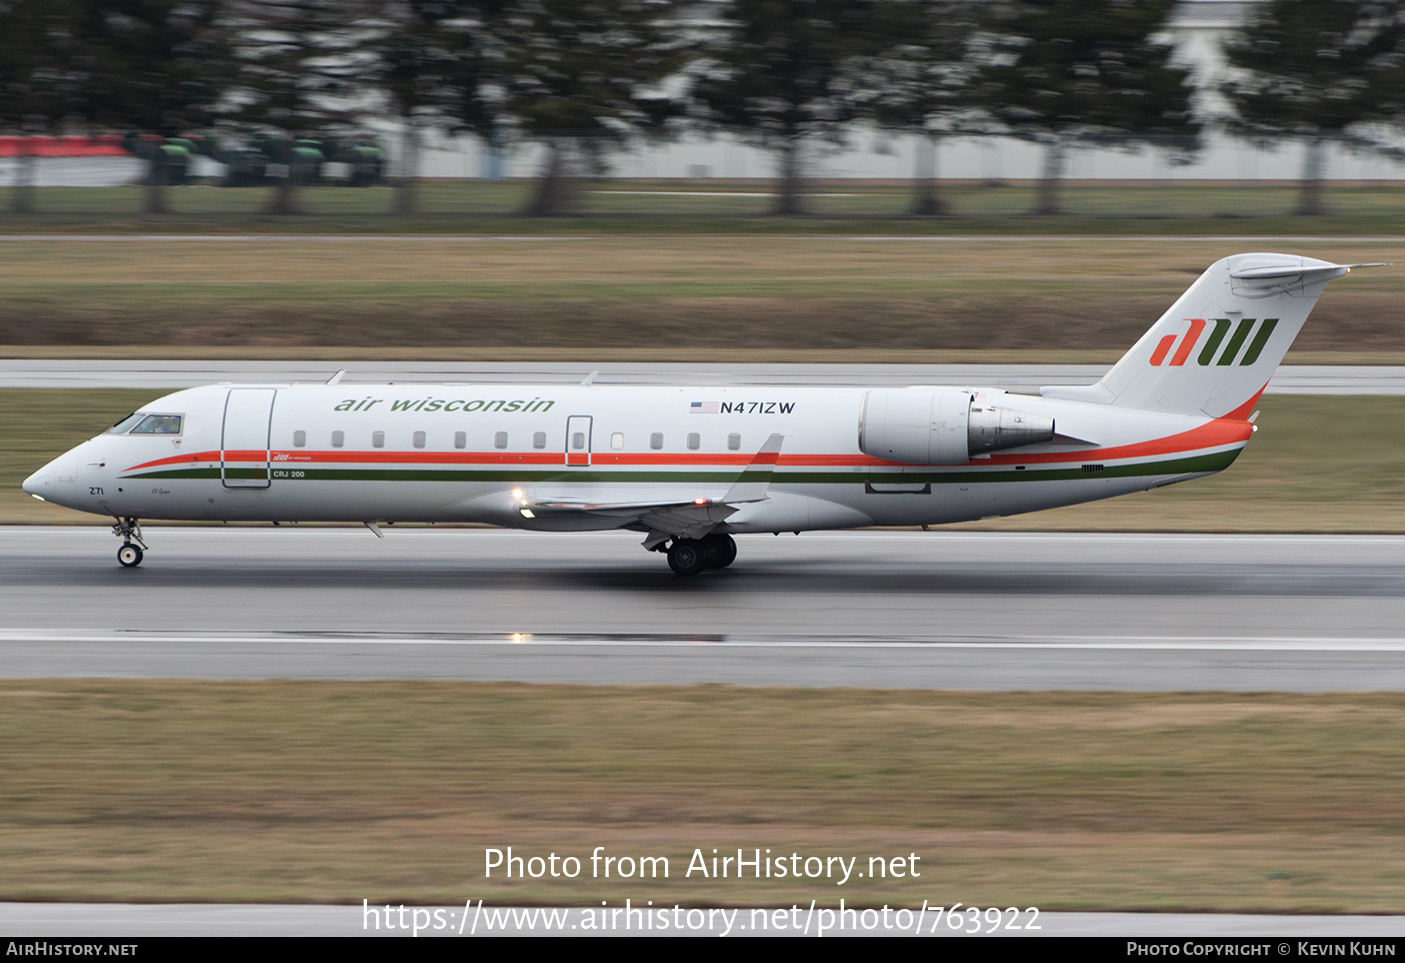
point(578, 440)
point(244, 454)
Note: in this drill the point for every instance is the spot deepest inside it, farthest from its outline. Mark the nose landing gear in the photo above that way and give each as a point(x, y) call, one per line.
point(129, 530)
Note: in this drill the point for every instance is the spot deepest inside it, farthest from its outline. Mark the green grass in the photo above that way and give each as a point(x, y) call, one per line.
point(391, 792)
point(1318, 464)
point(860, 207)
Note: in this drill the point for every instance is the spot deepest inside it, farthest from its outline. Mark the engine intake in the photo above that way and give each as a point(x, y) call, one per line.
point(942, 426)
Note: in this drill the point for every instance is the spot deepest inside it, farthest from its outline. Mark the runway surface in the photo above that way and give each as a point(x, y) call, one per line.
point(890, 609)
point(163, 375)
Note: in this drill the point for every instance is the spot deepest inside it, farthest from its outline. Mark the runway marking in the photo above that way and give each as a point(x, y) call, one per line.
point(1025, 643)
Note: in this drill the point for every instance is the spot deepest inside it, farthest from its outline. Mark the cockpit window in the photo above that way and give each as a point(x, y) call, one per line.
point(125, 425)
point(158, 425)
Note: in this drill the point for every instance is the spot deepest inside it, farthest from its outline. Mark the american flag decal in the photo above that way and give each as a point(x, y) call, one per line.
point(703, 408)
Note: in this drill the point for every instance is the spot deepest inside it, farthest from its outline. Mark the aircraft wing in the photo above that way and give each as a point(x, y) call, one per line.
point(693, 518)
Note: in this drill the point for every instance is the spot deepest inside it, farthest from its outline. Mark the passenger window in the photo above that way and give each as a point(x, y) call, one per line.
point(418, 438)
point(377, 439)
point(500, 440)
point(734, 441)
point(460, 439)
point(578, 440)
point(338, 439)
point(539, 440)
point(694, 440)
point(159, 425)
point(617, 440)
point(299, 439)
point(656, 440)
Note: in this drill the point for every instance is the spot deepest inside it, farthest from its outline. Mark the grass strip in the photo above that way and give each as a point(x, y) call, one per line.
point(845, 206)
point(391, 792)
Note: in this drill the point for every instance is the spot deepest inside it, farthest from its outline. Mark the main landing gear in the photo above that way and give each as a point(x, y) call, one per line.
point(129, 530)
point(689, 556)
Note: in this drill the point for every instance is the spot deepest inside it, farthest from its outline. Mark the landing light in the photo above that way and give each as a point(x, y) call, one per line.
point(527, 513)
point(40, 497)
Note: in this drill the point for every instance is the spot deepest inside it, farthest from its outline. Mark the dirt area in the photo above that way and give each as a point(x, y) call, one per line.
point(670, 294)
point(1347, 321)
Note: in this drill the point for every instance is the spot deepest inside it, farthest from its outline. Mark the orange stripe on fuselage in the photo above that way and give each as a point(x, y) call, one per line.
point(1246, 409)
point(1216, 434)
point(1219, 433)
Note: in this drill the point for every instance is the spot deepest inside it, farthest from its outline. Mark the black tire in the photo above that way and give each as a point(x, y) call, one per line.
point(129, 556)
point(719, 550)
point(686, 557)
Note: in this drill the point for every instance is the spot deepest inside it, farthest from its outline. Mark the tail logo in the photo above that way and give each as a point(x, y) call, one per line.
point(1211, 353)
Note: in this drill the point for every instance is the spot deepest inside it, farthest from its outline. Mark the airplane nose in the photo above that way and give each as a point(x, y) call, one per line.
point(37, 484)
point(50, 481)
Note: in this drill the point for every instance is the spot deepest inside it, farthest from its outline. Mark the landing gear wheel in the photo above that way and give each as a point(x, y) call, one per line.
point(719, 550)
point(129, 530)
point(686, 557)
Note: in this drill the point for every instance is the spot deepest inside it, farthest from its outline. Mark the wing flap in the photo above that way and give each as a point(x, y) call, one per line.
point(692, 518)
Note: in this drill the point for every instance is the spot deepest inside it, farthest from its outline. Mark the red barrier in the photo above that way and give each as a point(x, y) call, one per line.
point(102, 145)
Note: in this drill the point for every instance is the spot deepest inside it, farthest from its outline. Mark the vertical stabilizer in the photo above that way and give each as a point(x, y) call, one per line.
point(1216, 348)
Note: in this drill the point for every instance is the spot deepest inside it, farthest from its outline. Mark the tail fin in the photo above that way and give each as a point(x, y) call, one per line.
point(1214, 351)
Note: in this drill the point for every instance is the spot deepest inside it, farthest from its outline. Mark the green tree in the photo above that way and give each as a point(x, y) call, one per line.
point(298, 75)
point(1065, 73)
point(1318, 71)
point(575, 75)
point(39, 79)
point(434, 60)
point(925, 85)
point(787, 72)
point(154, 66)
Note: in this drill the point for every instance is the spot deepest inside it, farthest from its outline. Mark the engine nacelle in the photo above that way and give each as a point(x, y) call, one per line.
point(942, 426)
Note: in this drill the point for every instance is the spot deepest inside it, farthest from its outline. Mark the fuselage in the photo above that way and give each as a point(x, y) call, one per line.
point(479, 453)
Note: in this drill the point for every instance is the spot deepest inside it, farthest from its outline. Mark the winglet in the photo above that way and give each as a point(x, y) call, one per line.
point(751, 485)
point(336, 378)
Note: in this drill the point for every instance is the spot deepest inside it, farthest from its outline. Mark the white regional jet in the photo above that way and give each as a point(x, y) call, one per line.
point(691, 467)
